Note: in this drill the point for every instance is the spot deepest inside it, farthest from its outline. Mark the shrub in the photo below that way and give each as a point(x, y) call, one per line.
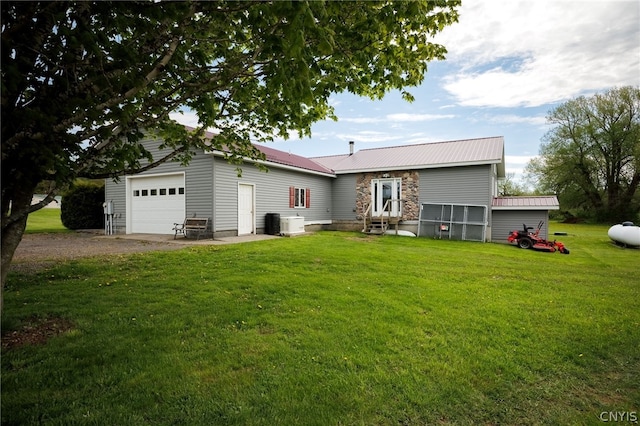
point(81, 206)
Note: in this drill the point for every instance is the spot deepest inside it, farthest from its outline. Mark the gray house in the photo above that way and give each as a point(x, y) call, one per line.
point(210, 187)
point(442, 190)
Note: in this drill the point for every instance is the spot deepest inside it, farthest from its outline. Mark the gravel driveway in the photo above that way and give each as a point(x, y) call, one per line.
point(38, 251)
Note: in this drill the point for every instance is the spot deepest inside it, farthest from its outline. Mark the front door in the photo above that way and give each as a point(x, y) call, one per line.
point(386, 194)
point(245, 209)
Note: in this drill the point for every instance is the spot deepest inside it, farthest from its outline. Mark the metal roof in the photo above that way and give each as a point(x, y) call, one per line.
point(428, 155)
point(420, 156)
point(292, 160)
point(546, 202)
point(277, 157)
point(330, 161)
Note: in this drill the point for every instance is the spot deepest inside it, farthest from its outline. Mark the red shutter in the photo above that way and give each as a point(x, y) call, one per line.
point(292, 197)
point(307, 201)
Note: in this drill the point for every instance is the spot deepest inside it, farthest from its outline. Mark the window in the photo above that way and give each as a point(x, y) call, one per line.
point(136, 193)
point(299, 201)
point(172, 191)
point(181, 191)
point(145, 192)
point(163, 191)
point(154, 192)
point(299, 198)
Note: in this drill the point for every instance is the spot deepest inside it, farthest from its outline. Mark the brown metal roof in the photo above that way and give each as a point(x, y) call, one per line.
point(546, 202)
point(283, 158)
point(427, 155)
point(292, 160)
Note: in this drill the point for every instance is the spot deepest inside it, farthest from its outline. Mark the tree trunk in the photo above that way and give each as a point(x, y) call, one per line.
point(13, 226)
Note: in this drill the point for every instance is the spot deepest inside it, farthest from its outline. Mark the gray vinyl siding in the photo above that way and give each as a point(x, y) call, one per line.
point(505, 221)
point(271, 194)
point(457, 185)
point(198, 187)
point(344, 197)
point(116, 192)
point(198, 184)
point(225, 195)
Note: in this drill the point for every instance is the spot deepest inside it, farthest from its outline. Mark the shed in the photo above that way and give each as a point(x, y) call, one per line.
point(509, 213)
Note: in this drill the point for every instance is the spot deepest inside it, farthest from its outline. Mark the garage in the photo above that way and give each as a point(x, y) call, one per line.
point(156, 203)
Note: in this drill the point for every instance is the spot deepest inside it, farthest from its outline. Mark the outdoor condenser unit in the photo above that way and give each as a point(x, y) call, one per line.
point(291, 225)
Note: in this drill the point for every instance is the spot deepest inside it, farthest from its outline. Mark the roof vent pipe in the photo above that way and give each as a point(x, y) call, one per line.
point(351, 143)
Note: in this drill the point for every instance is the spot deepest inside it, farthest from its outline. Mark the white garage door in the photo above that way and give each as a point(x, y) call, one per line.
point(157, 203)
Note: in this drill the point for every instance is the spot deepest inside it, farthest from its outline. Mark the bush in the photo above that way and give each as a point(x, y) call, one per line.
point(81, 206)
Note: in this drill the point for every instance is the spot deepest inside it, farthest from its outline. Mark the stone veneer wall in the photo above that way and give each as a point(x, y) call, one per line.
point(410, 192)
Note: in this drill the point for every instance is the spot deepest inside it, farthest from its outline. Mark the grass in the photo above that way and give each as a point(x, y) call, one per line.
point(333, 328)
point(45, 221)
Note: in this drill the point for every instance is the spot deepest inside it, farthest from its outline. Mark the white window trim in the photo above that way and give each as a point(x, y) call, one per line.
point(299, 198)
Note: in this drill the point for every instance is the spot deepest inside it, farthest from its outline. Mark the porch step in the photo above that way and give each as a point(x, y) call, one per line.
point(375, 231)
point(376, 227)
point(379, 224)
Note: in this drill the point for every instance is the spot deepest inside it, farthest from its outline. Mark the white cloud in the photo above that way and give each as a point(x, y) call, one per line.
point(517, 160)
point(369, 137)
point(400, 117)
point(360, 120)
point(515, 164)
point(334, 102)
point(418, 117)
point(535, 120)
point(531, 53)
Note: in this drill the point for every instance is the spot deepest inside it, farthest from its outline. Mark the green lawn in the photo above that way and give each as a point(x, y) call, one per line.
point(45, 220)
point(332, 329)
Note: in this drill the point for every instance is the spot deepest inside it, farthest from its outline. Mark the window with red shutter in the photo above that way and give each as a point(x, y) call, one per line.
point(299, 198)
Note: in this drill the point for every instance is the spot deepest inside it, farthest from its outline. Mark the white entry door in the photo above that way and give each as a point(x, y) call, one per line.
point(245, 209)
point(385, 196)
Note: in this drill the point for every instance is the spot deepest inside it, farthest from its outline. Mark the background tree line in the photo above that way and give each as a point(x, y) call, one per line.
point(590, 158)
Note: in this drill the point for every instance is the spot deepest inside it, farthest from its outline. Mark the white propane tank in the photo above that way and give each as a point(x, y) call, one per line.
point(626, 233)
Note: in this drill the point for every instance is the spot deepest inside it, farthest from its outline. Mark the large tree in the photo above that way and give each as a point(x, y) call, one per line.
point(591, 157)
point(81, 81)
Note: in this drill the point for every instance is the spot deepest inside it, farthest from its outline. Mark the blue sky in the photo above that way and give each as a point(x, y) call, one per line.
point(509, 63)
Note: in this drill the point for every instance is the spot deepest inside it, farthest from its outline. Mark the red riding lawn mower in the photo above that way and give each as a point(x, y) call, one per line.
point(530, 240)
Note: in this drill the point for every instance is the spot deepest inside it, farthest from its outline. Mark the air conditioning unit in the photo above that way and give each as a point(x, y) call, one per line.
point(291, 225)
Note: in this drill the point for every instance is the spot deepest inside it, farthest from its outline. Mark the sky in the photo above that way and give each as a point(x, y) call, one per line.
point(509, 64)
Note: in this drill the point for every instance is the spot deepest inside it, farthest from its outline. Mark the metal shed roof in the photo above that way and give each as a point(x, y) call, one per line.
point(546, 202)
point(428, 155)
